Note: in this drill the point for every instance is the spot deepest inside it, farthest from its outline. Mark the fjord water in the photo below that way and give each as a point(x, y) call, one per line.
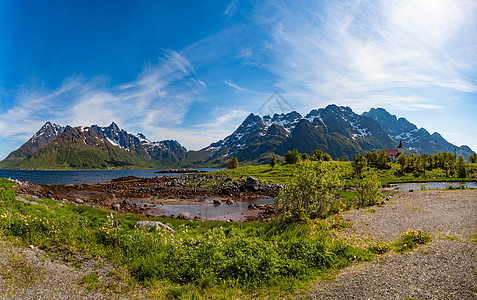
point(80, 177)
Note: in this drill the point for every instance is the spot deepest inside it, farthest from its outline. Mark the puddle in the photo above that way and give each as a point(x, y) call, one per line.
point(222, 212)
point(416, 186)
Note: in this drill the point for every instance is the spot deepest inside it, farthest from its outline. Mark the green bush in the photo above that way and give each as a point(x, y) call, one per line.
point(411, 239)
point(308, 194)
point(368, 190)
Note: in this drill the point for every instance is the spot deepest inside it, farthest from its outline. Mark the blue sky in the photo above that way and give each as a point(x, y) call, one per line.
point(193, 70)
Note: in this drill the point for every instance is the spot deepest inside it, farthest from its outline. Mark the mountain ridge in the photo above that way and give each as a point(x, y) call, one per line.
point(336, 130)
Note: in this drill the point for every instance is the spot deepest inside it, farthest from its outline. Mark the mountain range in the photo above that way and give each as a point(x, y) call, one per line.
point(336, 130)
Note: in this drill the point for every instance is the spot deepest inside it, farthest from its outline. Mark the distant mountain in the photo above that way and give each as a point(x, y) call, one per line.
point(167, 152)
point(335, 130)
point(416, 139)
point(56, 147)
point(43, 137)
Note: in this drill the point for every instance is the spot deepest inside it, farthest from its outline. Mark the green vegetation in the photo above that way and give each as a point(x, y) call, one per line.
point(413, 168)
point(411, 239)
point(368, 190)
point(273, 161)
point(407, 242)
point(81, 156)
point(232, 163)
point(207, 260)
point(308, 194)
point(292, 157)
point(473, 158)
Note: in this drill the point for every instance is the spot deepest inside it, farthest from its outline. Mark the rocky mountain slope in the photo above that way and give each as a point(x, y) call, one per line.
point(56, 147)
point(337, 131)
point(418, 140)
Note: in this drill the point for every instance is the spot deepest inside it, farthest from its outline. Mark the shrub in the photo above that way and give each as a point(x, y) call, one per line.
point(232, 163)
point(368, 190)
point(411, 239)
point(308, 194)
point(380, 248)
point(292, 157)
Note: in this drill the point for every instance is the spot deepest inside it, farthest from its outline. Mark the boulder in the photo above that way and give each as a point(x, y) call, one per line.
point(229, 202)
point(156, 224)
point(184, 216)
point(252, 184)
point(79, 201)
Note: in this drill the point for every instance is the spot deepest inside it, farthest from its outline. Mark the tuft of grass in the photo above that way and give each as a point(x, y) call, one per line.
point(379, 248)
point(410, 240)
point(91, 281)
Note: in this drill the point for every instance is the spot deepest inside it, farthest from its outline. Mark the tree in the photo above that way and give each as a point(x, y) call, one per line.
point(402, 160)
point(292, 157)
point(305, 156)
point(460, 167)
point(371, 158)
point(232, 163)
point(327, 157)
point(382, 160)
point(358, 164)
point(273, 161)
point(308, 194)
point(473, 158)
point(317, 155)
point(368, 190)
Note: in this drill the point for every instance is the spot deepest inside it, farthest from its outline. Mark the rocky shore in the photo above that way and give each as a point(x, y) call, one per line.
point(139, 195)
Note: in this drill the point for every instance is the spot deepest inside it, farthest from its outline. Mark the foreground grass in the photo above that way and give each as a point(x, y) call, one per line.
point(200, 260)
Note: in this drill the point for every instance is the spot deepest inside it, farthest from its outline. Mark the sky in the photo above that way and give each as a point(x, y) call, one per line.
point(193, 70)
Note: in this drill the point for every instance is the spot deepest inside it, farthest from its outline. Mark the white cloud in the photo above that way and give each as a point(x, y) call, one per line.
point(160, 96)
point(346, 52)
point(230, 83)
point(231, 9)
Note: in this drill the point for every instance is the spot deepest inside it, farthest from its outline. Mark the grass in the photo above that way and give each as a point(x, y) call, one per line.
point(282, 172)
point(198, 261)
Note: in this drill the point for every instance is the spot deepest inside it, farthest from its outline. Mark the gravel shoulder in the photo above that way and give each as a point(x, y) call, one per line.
point(446, 268)
point(29, 273)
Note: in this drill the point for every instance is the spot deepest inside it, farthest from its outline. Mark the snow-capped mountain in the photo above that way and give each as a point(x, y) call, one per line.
point(335, 130)
point(416, 139)
point(82, 147)
point(47, 133)
point(138, 144)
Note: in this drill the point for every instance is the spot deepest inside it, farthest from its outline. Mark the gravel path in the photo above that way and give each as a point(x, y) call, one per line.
point(446, 268)
point(31, 274)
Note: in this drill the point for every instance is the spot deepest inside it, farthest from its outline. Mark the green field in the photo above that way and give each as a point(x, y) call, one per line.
point(282, 172)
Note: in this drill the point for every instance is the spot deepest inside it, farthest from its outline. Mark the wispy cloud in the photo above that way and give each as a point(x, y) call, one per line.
point(370, 52)
point(231, 9)
point(230, 83)
point(222, 123)
point(160, 96)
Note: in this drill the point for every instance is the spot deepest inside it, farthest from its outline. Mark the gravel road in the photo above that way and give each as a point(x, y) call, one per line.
point(446, 268)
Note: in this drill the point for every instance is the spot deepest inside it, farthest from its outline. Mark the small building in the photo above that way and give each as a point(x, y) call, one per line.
point(393, 154)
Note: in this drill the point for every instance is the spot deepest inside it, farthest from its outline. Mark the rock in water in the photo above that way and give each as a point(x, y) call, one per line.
point(184, 216)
